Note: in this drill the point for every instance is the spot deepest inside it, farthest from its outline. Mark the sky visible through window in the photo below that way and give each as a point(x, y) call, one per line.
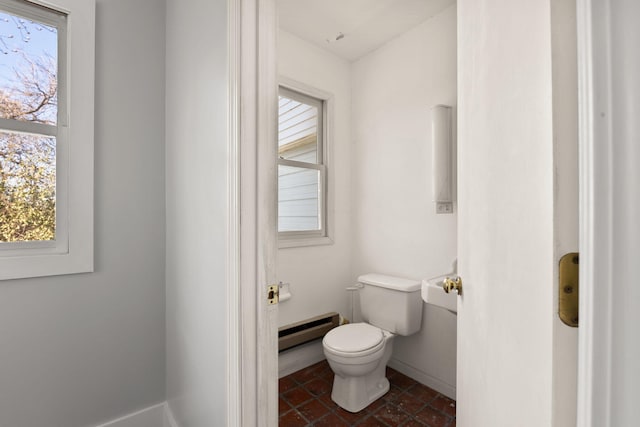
point(28, 93)
point(22, 38)
point(28, 66)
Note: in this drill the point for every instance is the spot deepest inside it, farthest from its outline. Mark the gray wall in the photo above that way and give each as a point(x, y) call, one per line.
point(625, 206)
point(196, 187)
point(77, 350)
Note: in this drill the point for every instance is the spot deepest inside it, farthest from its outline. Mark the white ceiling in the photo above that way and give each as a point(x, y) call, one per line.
point(366, 24)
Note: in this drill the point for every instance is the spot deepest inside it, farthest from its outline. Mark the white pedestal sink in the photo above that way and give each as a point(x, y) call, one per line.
point(434, 294)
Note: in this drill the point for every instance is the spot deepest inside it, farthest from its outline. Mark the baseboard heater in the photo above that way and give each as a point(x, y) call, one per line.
point(307, 330)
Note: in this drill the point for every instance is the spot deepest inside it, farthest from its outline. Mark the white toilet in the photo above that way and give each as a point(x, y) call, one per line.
point(358, 352)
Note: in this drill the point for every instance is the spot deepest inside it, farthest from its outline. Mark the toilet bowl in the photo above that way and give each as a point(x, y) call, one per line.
point(358, 353)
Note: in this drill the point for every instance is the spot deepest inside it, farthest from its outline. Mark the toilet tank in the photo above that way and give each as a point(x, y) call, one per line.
point(391, 303)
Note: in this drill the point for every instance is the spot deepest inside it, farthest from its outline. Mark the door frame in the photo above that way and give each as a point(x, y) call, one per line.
point(595, 224)
point(595, 221)
point(252, 356)
point(234, 361)
point(597, 165)
point(252, 363)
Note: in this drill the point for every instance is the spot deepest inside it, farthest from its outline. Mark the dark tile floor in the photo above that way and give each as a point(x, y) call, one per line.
point(305, 400)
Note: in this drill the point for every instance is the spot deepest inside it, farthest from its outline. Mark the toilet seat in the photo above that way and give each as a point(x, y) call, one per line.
point(354, 340)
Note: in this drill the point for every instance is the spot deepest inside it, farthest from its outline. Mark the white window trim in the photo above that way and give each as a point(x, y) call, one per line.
point(293, 239)
point(73, 252)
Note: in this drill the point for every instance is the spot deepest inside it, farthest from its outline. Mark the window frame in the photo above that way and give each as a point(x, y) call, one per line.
point(289, 239)
point(55, 19)
point(72, 250)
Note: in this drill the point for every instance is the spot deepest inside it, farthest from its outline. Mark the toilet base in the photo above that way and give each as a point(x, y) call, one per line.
point(354, 394)
point(357, 385)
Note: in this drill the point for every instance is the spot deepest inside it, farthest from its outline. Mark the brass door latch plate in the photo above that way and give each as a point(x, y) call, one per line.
point(568, 301)
point(273, 294)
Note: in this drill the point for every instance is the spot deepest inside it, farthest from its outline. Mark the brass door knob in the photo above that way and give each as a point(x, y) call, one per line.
point(450, 284)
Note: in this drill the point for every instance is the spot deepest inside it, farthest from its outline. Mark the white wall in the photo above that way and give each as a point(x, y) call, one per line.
point(319, 274)
point(396, 230)
point(196, 210)
point(77, 350)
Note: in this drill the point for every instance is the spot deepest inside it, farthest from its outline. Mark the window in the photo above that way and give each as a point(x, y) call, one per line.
point(302, 190)
point(46, 154)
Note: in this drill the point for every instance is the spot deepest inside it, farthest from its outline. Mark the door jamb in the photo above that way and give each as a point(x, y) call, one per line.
point(250, 19)
point(253, 136)
point(595, 183)
point(234, 322)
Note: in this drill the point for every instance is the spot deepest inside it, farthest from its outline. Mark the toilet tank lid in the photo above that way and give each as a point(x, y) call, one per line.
point(390, 282)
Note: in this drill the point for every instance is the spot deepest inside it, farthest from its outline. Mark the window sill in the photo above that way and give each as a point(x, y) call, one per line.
point(29, 266)
point(304, 241)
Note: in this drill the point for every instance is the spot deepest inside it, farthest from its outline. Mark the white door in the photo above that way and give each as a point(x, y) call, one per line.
point(506, 214)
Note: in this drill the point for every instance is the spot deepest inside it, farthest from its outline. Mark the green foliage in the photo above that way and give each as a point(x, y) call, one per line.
point(27, 188)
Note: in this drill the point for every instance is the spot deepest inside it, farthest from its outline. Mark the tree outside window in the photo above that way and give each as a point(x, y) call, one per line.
point(28, 93)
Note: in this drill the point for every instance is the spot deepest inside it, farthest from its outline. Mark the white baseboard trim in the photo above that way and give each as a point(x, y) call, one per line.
point(424, 378)
point(169, 420)
point(300, 357)
point(159, 415)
